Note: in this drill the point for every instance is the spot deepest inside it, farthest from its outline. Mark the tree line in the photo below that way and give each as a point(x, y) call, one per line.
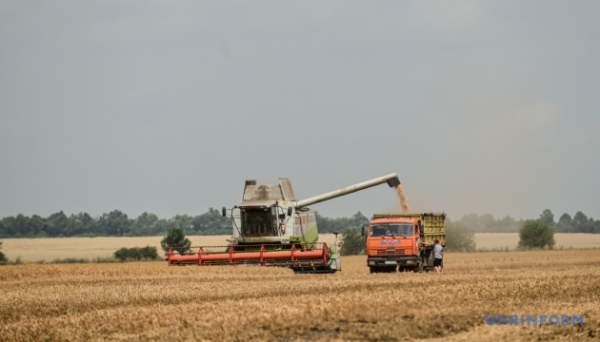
point(114, 223)
point(578, 223)
point(117, 223)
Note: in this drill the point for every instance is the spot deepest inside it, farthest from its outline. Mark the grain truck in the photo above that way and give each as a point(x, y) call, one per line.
point(403, 241)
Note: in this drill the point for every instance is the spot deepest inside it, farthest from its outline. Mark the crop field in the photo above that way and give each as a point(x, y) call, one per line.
point(510, 240)
point(49, 249)
point(151, 301)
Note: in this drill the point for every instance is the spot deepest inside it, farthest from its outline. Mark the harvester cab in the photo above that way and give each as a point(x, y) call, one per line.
point(271, 227)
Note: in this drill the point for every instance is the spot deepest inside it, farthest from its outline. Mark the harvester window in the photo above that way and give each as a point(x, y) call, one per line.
point(258, 222)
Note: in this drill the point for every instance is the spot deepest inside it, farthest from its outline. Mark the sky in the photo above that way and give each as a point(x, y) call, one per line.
point(169, 106)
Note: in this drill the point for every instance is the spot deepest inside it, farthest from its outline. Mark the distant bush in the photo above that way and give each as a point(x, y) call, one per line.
point(459, 238)
point(352, 242)
point(137, 253)
point(70, 261)
point(495, 249)
point(536, 234)
point(2, 256)
point(105, 260)
point(175, 239)
point(97, 260)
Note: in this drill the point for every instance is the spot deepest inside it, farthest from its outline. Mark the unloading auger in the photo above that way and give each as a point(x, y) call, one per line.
point(272, 228)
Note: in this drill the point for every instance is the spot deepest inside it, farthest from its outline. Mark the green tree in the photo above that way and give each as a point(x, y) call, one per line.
point(564, 224)
point(547, 217)
point(459, 238)
point(8, 224)
point(579, 220)
point(565, 219)
point(487, 223)
point(2, 256)
point(358, 220)
point(146, 224)
point(87, 224)
point(115, 223)
point(38, 226)
point(536, 234)
point(352, 242)
point(175, 239)
point(22, 225)
point(183, 222)
point(211, 222)
point(57, 223)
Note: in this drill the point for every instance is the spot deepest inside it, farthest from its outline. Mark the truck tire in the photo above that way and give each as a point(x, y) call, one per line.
point(372, 269)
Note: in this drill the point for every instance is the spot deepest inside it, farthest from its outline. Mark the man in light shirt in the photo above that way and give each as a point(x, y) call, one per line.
point(438, 256)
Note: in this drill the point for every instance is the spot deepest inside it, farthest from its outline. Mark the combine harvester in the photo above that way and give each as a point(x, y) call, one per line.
point(272, 228)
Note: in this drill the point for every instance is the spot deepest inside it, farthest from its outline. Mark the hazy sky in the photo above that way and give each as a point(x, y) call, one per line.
point(168, 106)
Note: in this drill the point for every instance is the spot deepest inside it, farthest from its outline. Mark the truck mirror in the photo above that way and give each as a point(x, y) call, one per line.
point(363, 230)
point(224, 211)
point(281, 216)
point(289, 211)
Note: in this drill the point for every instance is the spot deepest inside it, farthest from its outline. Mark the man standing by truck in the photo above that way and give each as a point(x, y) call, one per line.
point(438, 256)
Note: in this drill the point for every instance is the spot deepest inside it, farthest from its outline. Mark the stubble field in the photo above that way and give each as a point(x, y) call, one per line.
point(152, 301)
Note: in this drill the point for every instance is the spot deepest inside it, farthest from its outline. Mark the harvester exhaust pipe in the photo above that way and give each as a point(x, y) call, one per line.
point(391, 179)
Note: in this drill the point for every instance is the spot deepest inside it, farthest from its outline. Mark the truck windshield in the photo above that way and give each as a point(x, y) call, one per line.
point(259, 222)
point(389, 229)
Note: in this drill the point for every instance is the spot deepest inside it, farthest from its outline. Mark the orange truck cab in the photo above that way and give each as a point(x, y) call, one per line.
point(403, 241)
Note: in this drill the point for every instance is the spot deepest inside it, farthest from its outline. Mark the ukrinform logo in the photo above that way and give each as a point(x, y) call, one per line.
point(533, 319)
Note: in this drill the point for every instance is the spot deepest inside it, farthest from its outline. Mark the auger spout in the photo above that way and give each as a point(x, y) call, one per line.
point(391, 179)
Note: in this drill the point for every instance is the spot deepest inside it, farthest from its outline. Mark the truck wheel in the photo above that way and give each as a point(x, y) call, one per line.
point(372, 270)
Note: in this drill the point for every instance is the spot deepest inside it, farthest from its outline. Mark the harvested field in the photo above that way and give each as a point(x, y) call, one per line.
point(33, 250)
point(152, 301)
point(48, 249)
point(563, 240)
